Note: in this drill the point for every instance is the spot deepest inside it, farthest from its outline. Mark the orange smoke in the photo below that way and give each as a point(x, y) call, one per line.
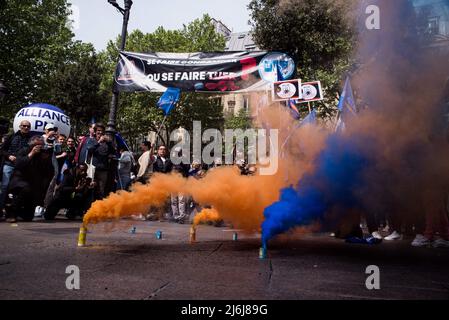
point(239, 199)
point(206, 215)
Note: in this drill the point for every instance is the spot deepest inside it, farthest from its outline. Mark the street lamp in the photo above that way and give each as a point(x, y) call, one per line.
point(114, 102)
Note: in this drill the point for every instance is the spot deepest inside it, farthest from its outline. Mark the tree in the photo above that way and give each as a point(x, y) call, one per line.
point(34, 42)
point(138, 113)
point(318, 34)
point(240, 121)
point(75, 87)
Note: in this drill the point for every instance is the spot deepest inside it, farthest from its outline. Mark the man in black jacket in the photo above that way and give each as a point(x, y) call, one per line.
point(8, 153)
point(162, 164)
point(103, 156)
point(32, 175)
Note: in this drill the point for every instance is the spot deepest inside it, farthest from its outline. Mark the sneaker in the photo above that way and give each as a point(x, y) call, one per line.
point(377, 235)
point(39, 212)
point(373, 240)
point(440, 243)
point(394, 236)
point(420, 241)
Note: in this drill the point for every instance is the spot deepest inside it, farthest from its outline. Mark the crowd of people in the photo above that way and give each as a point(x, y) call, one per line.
point(45, 174)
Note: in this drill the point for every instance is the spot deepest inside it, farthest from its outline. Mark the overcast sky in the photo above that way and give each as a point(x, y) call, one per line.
point(96, 21)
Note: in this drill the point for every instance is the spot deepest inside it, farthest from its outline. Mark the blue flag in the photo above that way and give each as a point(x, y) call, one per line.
point(310, 119)
point(65, 166)
point(121, 142)
point(293, 109)
point(347, 101)
point(280, 76)
point(347, 106)
point(169, 99)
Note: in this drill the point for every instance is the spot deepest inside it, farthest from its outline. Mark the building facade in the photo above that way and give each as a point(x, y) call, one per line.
point(433, 20)
point(233, 103)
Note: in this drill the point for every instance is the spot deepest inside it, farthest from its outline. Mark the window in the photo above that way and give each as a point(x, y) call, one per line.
point(434, 26)
point(246, 102)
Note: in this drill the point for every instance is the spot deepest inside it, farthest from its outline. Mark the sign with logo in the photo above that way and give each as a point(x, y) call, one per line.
point(276, 67)
point(39, 115)
point(311, 91)
point(202, 72)
point(286, 90)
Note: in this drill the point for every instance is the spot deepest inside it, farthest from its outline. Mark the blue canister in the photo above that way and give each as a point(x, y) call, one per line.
point(133, 230)
point(263, 253)
point(235, 236)
point(159, 234)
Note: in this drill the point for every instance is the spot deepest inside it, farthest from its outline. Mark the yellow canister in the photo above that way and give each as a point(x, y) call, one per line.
point(82, 237)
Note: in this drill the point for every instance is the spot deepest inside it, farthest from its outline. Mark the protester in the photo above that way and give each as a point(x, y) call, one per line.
point(125, 164)
point(74, 193)
point(218, 162)
point(102, 153)
point(241, 164)
point(8, 153)
point(50, 135)
point(32, 175)
point(163, 164)
point(60, 151)
point(81, 151)
point(146, 161)
point(71, 151)
point(198, 173)
point(179, 201)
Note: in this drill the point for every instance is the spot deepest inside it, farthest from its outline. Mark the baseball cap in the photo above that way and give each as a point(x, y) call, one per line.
point(51, 126)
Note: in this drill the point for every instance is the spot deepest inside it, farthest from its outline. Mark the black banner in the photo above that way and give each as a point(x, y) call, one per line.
point(202, 72)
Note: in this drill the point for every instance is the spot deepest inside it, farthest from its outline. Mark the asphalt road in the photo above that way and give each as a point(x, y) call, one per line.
point(116, 264)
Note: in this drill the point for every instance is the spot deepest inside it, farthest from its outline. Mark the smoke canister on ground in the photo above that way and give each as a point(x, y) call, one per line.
point(263, 252)
point(82, 237)
point(158, 234)
point(192, 234)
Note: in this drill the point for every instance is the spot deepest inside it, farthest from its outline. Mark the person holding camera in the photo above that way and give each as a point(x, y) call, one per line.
point(50, 135)
point(32, 175)
point(8, 151)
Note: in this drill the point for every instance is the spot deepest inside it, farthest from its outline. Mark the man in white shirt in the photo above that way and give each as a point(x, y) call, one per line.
point(145, 161)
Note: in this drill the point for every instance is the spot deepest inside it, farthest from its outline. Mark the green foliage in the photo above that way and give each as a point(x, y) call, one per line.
point(240, 121)
point(137, 112)
point(34, 42)
point(75, 88)
point(317, 33)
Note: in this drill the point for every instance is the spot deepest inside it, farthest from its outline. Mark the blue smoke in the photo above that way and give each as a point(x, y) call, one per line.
point(338, 175)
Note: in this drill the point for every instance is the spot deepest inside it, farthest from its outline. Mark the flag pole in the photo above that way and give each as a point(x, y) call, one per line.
point(160, 127)
point(337, 118)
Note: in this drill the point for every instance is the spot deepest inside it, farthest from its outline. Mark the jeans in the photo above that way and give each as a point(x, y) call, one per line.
point(101, 180)
point(123, 182)
point(6, 177)
point(179, 205)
